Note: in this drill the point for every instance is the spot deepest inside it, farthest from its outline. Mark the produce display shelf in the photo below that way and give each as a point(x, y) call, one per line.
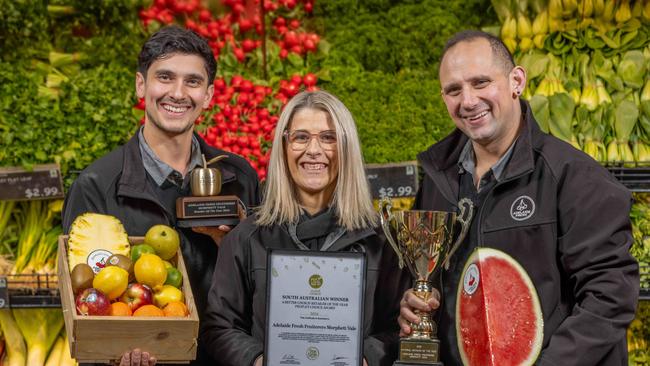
point(644, 272)
point(634, 176)
point(29, 291)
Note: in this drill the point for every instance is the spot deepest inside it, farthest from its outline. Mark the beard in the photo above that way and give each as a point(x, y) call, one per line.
point(175, 130)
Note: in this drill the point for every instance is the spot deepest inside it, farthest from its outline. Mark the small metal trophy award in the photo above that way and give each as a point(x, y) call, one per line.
point(423, 240)
point(205, 207)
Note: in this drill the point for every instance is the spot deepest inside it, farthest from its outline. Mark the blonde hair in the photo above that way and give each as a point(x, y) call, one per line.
point(351, 198)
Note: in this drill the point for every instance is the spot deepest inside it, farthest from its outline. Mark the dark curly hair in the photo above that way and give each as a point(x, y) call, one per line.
point(174, 39)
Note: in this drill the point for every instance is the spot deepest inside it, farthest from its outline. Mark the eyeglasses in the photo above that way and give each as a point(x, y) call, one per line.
point(300, 139)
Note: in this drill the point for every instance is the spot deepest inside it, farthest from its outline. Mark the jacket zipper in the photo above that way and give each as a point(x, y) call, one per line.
point(488, 196)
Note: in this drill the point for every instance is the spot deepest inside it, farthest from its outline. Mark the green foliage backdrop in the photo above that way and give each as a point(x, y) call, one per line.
point(383, 64)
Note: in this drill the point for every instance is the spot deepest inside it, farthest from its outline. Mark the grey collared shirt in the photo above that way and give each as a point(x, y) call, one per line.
point(467, 163)
point(159, 171)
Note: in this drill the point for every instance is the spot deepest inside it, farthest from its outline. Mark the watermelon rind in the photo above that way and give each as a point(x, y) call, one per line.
point(480, 254)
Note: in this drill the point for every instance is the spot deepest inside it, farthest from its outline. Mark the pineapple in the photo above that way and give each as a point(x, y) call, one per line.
point(94, 238)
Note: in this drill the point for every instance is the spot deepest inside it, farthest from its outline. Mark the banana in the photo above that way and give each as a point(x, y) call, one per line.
point(646, 11)
point(511, 44)
point(599, 7)
point(525, 44)
point(623, 13)
point(569, 7)
point(509, 28)
point(524, 28)
point(538, 40)
point(608, 13)
point(555, 25)
point(637, 9)
point(586, 8)
point(540, 24)
point(555, 9)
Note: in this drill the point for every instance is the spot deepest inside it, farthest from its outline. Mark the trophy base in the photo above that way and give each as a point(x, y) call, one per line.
point(418, 352)
point(217, 221)
point(209, 211)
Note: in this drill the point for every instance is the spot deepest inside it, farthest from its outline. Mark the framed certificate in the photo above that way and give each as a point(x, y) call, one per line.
point(314, 311)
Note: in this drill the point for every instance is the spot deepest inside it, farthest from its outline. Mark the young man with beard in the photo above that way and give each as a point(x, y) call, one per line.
point(140, 181)
point(574, 244)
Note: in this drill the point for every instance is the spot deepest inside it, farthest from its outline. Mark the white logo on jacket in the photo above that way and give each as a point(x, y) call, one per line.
point(522, 208)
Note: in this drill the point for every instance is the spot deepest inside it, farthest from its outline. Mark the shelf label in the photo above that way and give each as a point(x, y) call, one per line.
point(4, 294)
point(44, 182)
point(393, 180)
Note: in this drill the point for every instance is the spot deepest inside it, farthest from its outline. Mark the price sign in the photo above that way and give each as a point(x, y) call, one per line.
point(393, 180)
point(4, 294)
point(43, 182)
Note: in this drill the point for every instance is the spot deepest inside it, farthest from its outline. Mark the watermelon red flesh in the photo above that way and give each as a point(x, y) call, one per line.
point(501, 322)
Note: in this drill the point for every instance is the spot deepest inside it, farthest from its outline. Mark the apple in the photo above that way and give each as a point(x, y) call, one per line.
point(136, 295)
point(92, 302)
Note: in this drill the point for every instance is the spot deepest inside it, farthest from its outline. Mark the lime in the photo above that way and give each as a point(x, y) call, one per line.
point(137, 250)
point(174, 277)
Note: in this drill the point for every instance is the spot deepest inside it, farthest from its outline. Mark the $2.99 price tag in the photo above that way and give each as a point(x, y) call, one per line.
point(43, 182)
point(4, 294)
point(41, 193)
point(393, 180)
point(401, 191)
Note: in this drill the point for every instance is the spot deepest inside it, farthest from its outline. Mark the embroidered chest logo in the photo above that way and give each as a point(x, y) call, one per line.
point(522, 208)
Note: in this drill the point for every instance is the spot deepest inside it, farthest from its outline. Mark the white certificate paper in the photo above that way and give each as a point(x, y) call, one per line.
point(314, 308)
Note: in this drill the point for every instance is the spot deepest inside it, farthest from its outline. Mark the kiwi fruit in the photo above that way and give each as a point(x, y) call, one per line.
point(81, 277)
point(123, 262)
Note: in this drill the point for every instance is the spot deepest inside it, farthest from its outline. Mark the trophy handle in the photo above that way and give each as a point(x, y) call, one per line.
point(465, 219)
point(385, 216)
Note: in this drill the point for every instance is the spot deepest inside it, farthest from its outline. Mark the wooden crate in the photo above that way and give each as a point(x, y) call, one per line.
point(102, 339)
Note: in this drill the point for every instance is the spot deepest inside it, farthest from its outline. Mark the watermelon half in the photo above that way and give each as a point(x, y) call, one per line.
point(498, 316)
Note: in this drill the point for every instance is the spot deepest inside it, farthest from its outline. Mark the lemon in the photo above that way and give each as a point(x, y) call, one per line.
point(167, 293)
point(112, 281)
point(150, 270)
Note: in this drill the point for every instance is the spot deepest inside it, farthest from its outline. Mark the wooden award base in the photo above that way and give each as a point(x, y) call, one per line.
point(209, 211)
point(418, 352)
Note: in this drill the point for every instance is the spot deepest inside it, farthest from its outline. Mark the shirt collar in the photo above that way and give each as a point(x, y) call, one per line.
point(159, 171)
point(467, 160)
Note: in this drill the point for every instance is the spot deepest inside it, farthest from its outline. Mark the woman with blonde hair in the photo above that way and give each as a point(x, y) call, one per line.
point(316, 199)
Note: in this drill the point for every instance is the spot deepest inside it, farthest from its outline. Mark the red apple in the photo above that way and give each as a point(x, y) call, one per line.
point(92, 302)
point(137, 295)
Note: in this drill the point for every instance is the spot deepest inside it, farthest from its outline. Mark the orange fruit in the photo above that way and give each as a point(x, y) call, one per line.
point(175, 308)
point(120, 309)
point(149, 310)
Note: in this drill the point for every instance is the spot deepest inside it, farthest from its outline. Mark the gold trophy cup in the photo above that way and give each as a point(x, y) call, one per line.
point(423, 241)
point(206, 207)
